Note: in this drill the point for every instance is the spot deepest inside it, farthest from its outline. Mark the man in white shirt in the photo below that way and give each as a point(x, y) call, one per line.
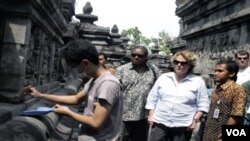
point(242, 59)
point(243, 77)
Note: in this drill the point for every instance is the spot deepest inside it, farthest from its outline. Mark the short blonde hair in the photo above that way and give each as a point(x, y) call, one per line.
point(189, 56)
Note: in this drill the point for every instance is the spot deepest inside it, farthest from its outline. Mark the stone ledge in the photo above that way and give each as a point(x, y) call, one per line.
point(5, 116)
point(216, 23)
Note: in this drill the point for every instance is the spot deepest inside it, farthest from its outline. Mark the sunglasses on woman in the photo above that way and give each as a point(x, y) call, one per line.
point(180, 62)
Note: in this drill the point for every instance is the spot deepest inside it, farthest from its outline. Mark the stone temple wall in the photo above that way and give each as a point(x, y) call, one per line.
point(31, 34)
point(214, 29)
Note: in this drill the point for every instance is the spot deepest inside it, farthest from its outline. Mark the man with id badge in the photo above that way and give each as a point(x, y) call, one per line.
point(217, 110)
point(227, 101)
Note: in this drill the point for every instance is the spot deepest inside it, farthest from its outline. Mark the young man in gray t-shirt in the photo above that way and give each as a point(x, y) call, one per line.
point(102, 118)
point(104, 88)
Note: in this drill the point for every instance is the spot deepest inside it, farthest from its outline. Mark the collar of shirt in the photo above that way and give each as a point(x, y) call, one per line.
point(226, 85)
point(172, 76)
point(131, 67)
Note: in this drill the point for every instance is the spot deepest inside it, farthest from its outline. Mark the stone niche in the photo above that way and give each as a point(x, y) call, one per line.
point(214, 29)
point(31, 33)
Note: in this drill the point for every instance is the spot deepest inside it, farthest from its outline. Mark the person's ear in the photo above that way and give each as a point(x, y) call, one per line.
point(232, 74)
point(85, 62)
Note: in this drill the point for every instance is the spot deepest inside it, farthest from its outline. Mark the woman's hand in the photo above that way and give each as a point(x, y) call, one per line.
point(192, 126)
point(150, 120)
point(150, 117)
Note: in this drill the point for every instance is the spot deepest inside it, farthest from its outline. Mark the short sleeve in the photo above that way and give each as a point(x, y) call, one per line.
point(109, 91)
point(239, 102)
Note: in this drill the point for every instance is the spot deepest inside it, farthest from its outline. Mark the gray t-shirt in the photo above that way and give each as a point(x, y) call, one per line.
point(106, 87)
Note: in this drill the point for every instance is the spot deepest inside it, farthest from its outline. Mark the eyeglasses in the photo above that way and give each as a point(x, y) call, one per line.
point(180, 62)
point(138, 55)
point(242, 58)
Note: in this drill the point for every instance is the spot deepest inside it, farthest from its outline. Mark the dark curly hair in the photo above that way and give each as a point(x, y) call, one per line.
point(231, 66)
point(80, 49)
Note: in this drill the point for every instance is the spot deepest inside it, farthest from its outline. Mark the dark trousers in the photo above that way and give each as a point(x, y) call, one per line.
point(135, 130)
point(161, 132)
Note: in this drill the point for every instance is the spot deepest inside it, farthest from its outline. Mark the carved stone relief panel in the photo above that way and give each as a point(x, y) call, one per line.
point(1, 29)
point(1, 34)
point(32, 69)
point(223, 41)
point(55, 66)
point(45, 54)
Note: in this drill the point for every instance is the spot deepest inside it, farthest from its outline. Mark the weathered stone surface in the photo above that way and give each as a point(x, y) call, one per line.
point(180, 3)
point(109, 43)
point(4, 116)
point(34, 129)
point(214, 29)
point(88, 30)
point(31, 33)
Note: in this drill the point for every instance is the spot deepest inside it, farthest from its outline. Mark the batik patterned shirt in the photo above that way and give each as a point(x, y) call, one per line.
point(230, 98)
point(136, 87)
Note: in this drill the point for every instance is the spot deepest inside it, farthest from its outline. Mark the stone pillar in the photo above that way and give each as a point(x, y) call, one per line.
point(125, 46)
point(125, 39)
point(88, 30)
point(115, 51)
point(14, 48)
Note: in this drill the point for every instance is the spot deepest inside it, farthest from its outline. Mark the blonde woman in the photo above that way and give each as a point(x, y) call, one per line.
point(177, 101)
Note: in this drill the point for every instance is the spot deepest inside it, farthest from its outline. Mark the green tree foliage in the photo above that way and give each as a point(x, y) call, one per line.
point(163, 41)
point(146, 41)
point(136, 37)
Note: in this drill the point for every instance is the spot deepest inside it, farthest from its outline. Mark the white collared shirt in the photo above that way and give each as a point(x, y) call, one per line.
point(243, 75)
point(175, 104)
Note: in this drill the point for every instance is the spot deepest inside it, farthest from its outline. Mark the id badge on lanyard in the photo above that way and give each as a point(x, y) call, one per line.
point(217, 110)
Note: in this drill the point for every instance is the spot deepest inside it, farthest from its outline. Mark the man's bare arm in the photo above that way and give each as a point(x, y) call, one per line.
point(72, 99)
point(96, 121)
